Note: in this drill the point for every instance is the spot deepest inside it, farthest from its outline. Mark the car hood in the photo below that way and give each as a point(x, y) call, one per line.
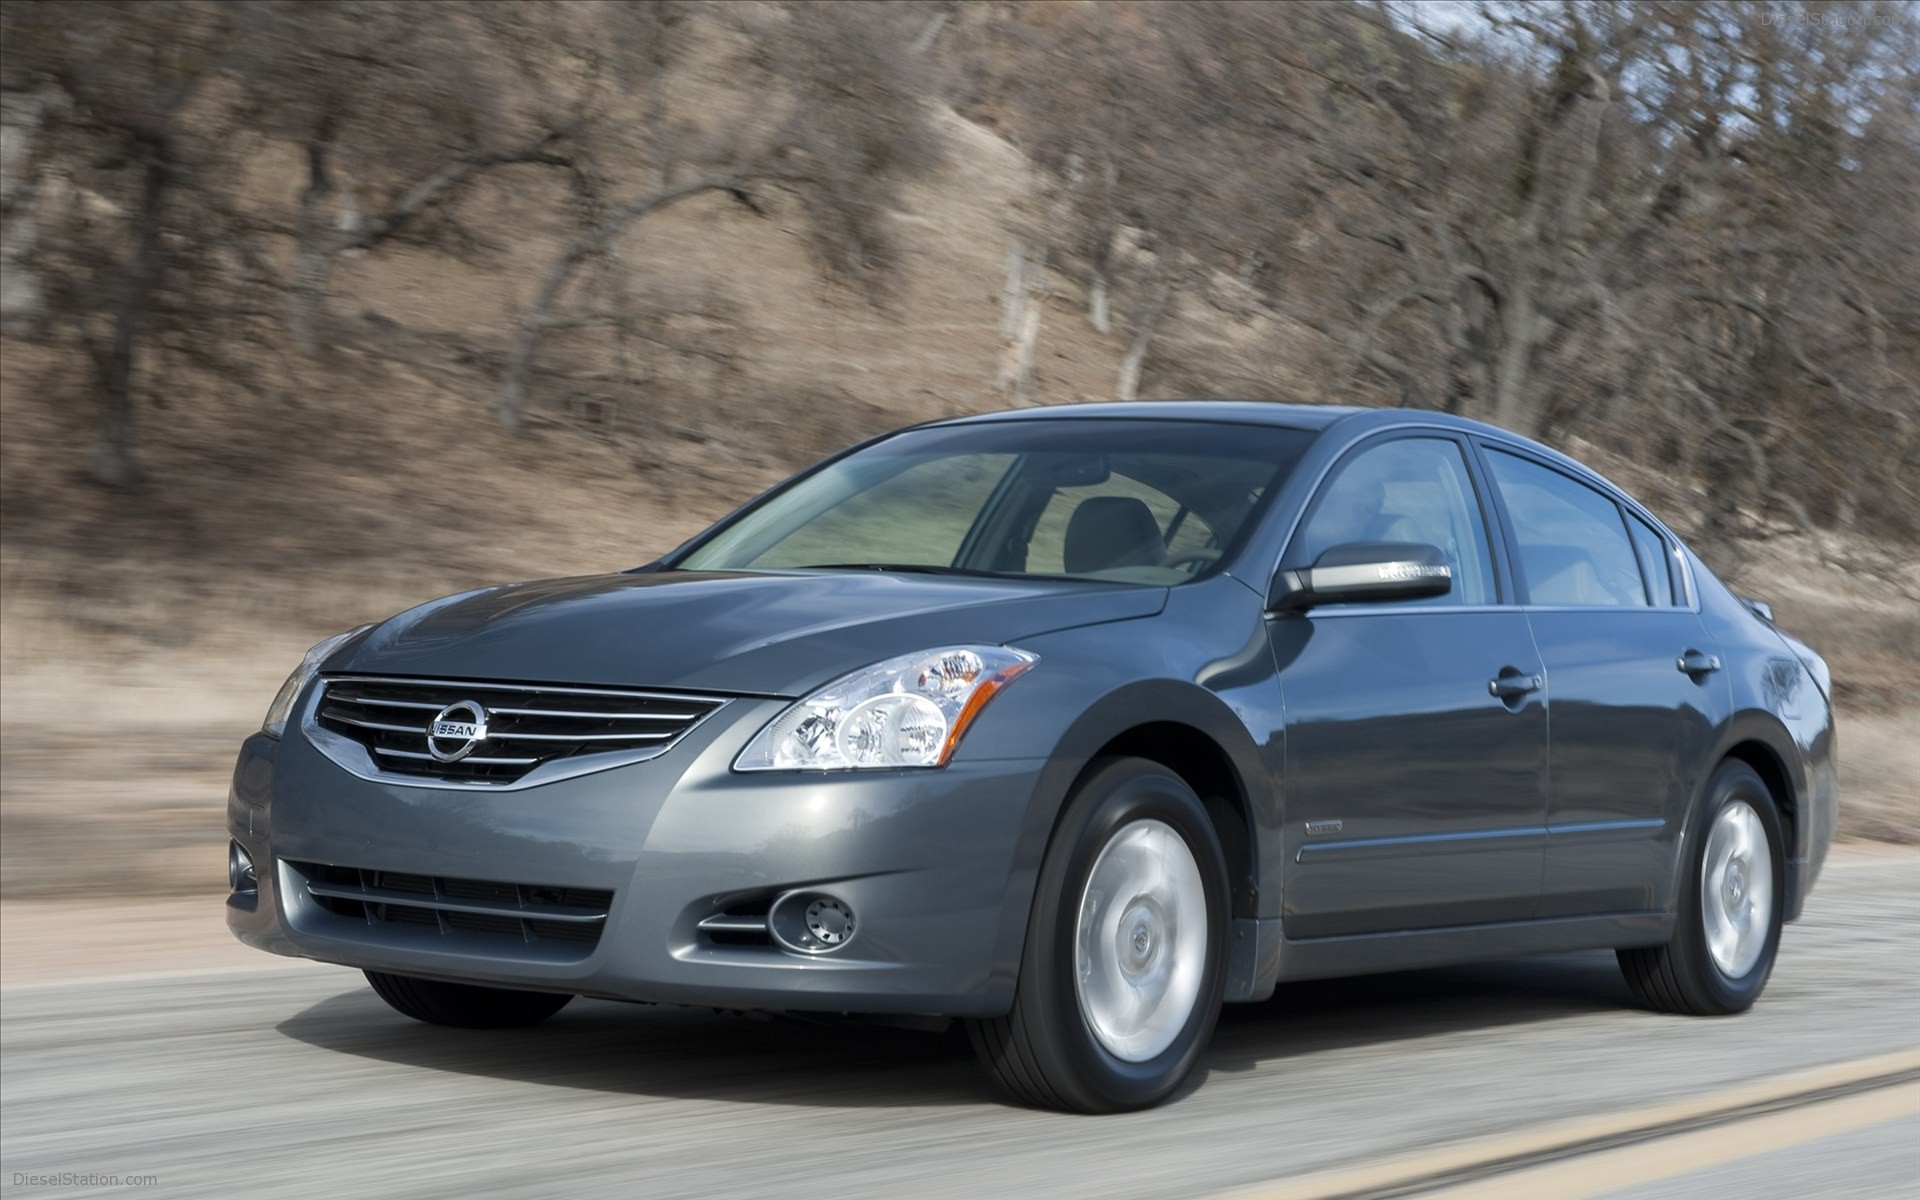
point(776, 634)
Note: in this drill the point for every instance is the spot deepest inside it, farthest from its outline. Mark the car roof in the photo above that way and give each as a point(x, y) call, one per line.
point(1247, 412)
point(1356, 421)
point(1313, 418)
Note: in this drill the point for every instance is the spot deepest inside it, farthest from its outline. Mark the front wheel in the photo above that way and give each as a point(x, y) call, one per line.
point(464, 1005)
point(1122, 975)
point(1728, 927)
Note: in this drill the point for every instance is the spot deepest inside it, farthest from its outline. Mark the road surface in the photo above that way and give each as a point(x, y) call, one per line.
point(297, 1082)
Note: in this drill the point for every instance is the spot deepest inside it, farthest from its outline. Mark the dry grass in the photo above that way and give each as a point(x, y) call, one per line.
point(1880, 777)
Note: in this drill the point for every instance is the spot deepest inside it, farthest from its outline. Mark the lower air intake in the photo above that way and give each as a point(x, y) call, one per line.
point(529, 920)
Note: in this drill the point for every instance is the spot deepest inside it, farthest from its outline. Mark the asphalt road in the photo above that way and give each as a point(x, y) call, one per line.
point(299, 1082)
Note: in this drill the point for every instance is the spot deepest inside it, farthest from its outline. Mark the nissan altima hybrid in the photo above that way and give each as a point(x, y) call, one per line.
point(1070, 724)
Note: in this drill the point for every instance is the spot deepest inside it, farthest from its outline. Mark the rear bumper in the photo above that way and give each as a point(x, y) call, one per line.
point(931, 864)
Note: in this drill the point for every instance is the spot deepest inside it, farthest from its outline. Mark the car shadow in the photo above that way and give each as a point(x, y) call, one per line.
point(683, 1053)
point(1375, 1010)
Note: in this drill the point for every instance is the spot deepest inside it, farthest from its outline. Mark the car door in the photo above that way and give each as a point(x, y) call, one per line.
point(1414, 793)
point(1634, 684)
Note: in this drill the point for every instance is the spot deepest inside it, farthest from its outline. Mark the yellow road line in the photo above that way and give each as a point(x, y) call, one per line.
point(1645, 1162)
point(1448, 1165)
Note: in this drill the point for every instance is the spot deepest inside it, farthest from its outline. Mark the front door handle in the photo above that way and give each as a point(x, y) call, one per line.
point(1695, 664)
point(1508, 686)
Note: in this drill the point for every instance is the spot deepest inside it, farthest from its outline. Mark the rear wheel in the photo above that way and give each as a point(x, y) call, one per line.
point(464, 1005)
point(1122, 975)
point(1730, 906)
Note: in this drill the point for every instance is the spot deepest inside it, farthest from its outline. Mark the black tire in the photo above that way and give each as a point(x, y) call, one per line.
point(464, 1005)
point(1045, 1052)
point(1683, 976)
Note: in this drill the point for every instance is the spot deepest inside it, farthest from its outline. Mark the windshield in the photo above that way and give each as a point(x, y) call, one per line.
point(1124, 500)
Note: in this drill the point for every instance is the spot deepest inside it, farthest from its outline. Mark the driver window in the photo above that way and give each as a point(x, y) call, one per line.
point(1405, 490)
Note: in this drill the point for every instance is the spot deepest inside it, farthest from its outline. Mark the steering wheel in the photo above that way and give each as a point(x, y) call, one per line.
point(1201, 557)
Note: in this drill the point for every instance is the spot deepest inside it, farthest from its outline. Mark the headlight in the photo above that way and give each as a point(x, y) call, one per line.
point(282, 706)
point(909, 711)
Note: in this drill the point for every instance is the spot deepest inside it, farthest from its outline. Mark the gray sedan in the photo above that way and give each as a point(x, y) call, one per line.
point(1070, 724)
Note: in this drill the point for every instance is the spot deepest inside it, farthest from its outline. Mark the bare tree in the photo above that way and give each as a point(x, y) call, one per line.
point(397, 106)
point(1131, 111)
point(123, 243)
point(831, 120)
point(1676, 227)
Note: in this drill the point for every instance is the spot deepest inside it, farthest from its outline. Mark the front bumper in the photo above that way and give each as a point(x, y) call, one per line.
point(933, 864)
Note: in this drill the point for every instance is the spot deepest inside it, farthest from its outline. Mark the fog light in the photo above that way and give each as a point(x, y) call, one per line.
point(811, 922)
point(829, 921)
point(240, 876)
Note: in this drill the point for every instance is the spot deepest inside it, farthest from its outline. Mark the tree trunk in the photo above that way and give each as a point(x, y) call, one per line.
point(526, 343)
point(313, 263)
point(1128, 387)
point(929, 33)
point(23, 301)
point(1016, 377)
point(1020, 318)
point(311, 271)
point(1013, 296)
point(113, 455)
point(1100, 291)
point(1515, 407)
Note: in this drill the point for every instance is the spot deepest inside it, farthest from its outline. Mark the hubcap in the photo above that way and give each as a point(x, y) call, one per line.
point(1736, 889)
point(1140, 947)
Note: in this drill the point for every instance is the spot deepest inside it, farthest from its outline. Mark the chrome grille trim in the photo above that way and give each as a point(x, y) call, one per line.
point(487, 761)
point(377, 725)
point(581, 737)
point(537, 734)
point(741, 925)
point(556, 712)
point(512, 686)
point(730, 923)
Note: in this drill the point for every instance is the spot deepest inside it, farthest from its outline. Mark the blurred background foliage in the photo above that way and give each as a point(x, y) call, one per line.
point(310, 309)
point(1687, 230)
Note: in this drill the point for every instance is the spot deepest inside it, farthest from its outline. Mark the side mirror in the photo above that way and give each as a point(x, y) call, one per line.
point(1364, 573)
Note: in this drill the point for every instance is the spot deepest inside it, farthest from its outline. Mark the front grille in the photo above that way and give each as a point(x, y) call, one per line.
point(526, 724)
point(518, 913)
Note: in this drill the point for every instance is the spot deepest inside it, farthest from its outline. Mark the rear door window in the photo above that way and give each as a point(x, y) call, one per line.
point(1572, 540)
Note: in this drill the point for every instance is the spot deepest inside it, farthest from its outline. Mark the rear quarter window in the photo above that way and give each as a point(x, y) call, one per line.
point(1656, 562)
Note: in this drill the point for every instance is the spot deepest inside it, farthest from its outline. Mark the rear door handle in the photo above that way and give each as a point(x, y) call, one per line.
point(1508, 686)
point(1696, 664)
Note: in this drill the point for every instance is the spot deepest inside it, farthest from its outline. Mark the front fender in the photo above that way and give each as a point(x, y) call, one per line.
point(1047, 715)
